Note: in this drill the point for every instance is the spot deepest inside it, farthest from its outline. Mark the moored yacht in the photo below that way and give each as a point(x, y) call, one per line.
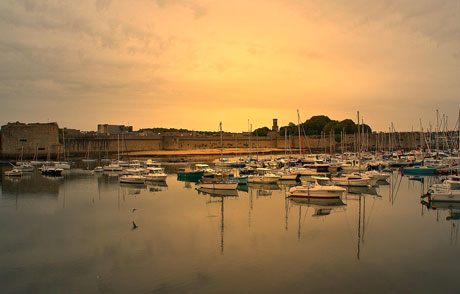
point(449, 190)
point(155, 174)
point(14, 173)
point(132, 179)
point(263, 176)
point(355, 179)
point(113, 166)
point(217, 184)
point(317, 190)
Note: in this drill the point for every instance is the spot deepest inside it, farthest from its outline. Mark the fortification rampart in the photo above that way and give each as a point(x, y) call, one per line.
point(46, 140)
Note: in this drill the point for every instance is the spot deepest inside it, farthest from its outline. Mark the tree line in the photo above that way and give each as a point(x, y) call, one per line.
point(316, 125)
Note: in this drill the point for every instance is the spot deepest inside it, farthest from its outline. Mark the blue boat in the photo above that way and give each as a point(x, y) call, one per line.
point(419, 171)
point(240, 180)
point(190, 176)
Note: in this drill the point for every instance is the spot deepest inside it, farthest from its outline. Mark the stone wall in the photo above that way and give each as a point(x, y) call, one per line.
point(29, 139)
point(46, 139)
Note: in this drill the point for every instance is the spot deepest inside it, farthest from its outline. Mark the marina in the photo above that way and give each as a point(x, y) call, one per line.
point(123, 231)
point(199, 146)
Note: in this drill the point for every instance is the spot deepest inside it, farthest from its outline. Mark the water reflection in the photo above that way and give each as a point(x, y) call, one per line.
point(320, 208)
point(219, 196)
point(372, 191)
point(155, 186)
point(65, 232)
point(451, 213)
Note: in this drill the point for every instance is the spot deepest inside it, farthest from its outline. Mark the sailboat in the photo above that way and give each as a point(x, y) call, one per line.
point(87, 158)
point(317, 191)
point(222, 162)
point(62, 164)
point(114, 165)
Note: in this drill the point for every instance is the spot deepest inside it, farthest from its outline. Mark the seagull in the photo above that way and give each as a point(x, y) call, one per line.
point(133, 210)
point(134, 226)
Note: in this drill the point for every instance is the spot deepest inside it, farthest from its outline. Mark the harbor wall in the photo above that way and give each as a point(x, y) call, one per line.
point(46, 140)
point(29, 139)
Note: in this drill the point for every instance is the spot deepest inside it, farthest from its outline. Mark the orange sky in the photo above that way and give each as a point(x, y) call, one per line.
point(191, 64)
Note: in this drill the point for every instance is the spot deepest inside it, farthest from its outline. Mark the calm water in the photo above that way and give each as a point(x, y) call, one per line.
point(75, 235)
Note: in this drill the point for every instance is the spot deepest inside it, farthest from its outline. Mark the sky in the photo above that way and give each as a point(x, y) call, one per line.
point(191, 64)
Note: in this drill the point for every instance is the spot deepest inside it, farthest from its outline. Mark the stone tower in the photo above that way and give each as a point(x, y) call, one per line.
point(275, 125)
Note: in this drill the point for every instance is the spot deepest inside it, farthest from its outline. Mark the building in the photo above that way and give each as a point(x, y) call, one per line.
point(113, 129)
point(275, 125)
point(32, 139)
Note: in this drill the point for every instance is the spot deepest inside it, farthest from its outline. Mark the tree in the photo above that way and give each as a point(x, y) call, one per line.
point(291, 129)
point(316, 124)
point(321, 123)
point(261, 132)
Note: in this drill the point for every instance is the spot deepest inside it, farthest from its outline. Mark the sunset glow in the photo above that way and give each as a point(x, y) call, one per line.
point(191, 64)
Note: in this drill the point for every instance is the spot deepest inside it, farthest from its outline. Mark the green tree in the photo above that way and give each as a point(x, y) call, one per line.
point(261, 132)
point(316, 124)
point(291, 129)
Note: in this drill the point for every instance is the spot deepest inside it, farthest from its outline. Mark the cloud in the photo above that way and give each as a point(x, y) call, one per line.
point(437, 20)
point(198, 9)
point(115, 58)
point(102, 4)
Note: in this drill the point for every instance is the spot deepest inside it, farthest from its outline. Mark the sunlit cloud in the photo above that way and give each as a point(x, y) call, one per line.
point(191, 64)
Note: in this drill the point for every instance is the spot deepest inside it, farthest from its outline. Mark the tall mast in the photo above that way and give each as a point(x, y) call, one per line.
point(285, 142)
point(436, 135)
point(63, 142)
point(118, 149)
point(300, 142)
point(421, 134)
point(359, 140)
point(249, 131)
point(221, 141)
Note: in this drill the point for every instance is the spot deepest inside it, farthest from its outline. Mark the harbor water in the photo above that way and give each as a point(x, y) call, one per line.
point(87, 233)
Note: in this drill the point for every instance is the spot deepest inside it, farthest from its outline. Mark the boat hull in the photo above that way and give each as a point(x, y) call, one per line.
point(52, 172)
point(240, 180)
point(218, 193)
point(218, 186)
point(156, 178)
point(262, 179)
point(112, 168)
point(190, 176)
point(314, 193)
point(419, 171)
point(13, 174)
point(132, 180)
point(354, 182)
point(445, 197)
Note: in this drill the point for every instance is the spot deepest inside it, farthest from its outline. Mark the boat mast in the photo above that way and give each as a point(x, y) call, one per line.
point(285, 142)
point(421, 134)
point(221, 142)
point(359, 141)
point(118, 149)
point(300, 142)
point(436, 135)
point(249, 131)
point(63, 143)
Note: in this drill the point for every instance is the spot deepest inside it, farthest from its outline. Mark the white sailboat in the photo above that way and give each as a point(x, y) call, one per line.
point(263, 176)
point(155, 174)
point(354, 180)
point(115, 165)
point(317, 190)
